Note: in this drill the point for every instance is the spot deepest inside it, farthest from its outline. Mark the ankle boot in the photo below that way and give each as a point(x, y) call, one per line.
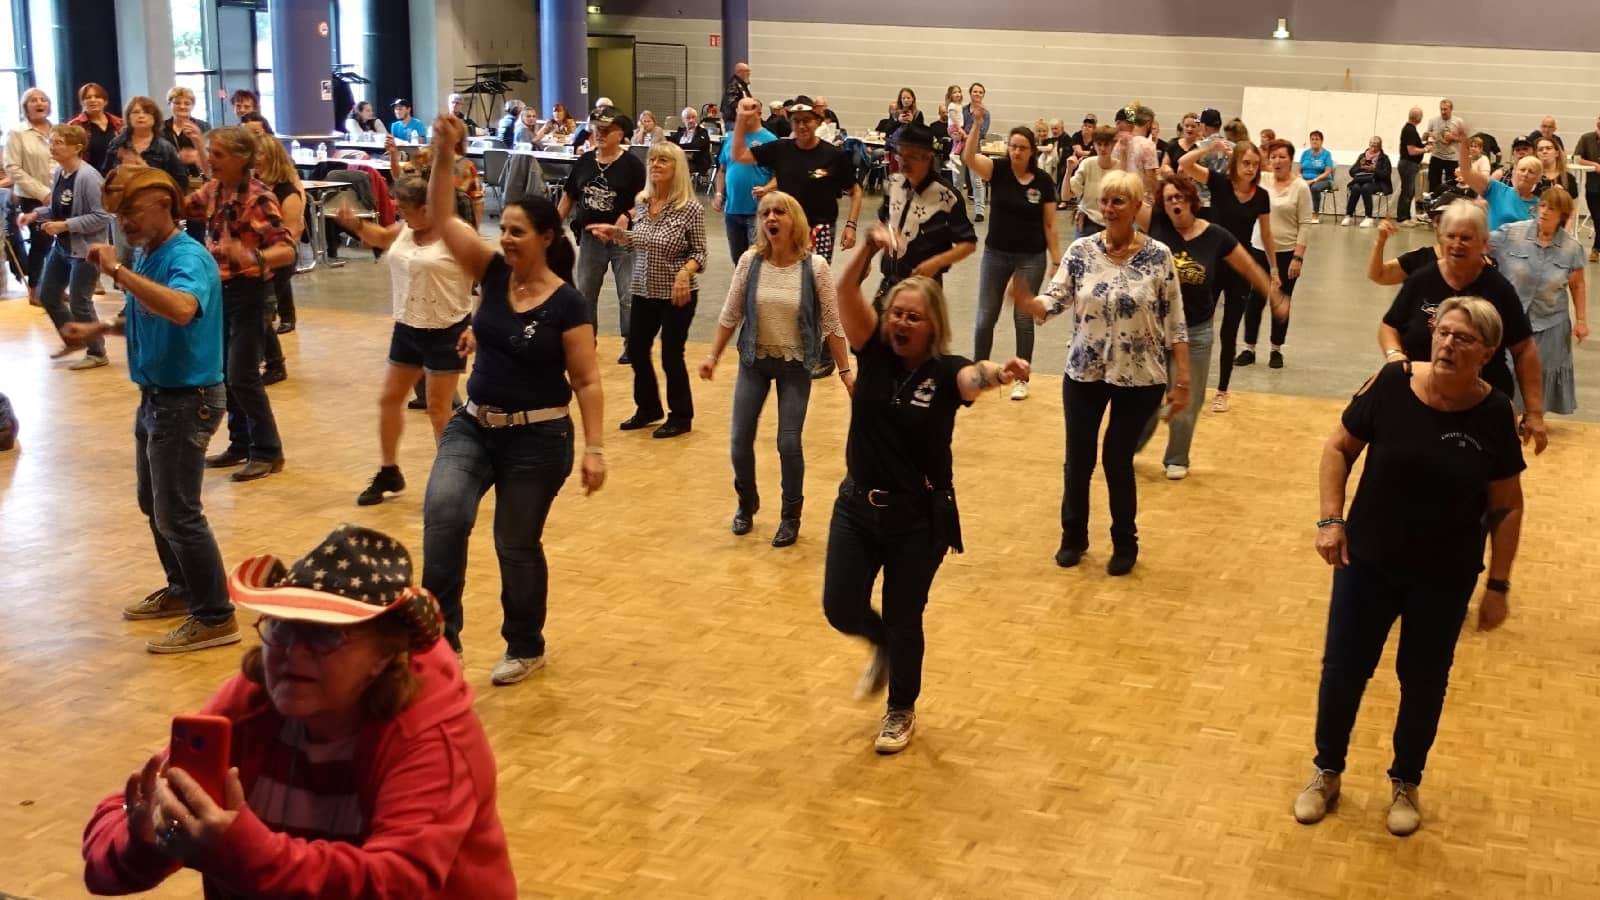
point(789, 523)
point(749, 505)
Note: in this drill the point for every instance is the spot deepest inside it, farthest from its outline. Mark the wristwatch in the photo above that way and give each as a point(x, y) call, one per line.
point(1499, 585)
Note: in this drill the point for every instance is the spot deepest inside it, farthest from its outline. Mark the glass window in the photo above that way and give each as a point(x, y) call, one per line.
point(264, 65)
point(13, 61)
point(352, 47)
point(194, 56)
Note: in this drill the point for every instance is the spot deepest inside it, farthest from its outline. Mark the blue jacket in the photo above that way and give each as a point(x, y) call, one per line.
point(810, 314)
point(87, 220)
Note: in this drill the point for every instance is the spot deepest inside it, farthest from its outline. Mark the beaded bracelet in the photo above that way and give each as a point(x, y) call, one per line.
point(1331, 520)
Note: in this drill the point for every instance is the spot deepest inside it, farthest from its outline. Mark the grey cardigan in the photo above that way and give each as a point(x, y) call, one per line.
point(88, 222)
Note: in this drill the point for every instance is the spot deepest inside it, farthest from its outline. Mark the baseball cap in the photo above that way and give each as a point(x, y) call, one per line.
point(400, 101)
point(1210, 118)
point(1090, 119)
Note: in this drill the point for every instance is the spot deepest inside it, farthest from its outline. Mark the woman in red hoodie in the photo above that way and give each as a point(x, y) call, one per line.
point(359, 768)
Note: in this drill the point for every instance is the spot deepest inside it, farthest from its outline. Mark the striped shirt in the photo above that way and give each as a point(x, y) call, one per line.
point(308, 790)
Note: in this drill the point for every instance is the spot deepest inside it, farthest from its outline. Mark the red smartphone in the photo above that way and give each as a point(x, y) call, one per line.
point(202, 748)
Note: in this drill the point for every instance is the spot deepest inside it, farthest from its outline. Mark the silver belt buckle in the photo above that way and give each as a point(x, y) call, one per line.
point(873, 498)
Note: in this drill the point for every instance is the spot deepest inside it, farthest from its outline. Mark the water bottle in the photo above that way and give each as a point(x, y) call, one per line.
point(322, 151)
point(294, 151)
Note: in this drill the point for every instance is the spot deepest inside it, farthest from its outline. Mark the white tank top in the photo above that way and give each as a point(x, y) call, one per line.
point(429, 289)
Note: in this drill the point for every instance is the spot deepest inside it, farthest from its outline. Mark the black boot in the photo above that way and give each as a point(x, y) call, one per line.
point(1123, 556)
point(749, 505)
point(789, 523)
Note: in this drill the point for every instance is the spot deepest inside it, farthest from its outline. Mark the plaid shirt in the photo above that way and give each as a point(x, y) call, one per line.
point(251, 217)
point(663, 245)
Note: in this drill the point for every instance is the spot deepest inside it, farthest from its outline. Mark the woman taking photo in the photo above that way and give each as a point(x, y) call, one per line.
point(278, 173)
point(1121, 288)
point(782, 295)
point(668, 239)
point(1022, 238)
point(1544, 262)
point(1201, 252)
point(1462, 271)
point(1239, 205)
point(535, 352)
point(1289, 198)
point(356, 765)
point(1443, 468)
point(31, 169)
point(1371, 174)
point(432, 300)
point(896, 510)
point(140, 141)
point(98, 124)
point(76, 220)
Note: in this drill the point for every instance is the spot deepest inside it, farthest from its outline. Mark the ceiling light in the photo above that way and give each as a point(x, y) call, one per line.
point(594, 10)
point(1282, 32)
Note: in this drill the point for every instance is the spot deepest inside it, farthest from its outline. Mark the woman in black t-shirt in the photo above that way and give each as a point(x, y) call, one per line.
point(1443, 466)
point(1022, 237)
point(896, 510)
point(1240, 210)
point(533, 337)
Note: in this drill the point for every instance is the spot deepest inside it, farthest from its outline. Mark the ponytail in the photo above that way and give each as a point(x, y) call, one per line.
point(561, 258)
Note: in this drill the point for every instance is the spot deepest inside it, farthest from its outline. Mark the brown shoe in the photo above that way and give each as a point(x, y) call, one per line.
point(258, 468)
point(193, 634)
point(162, 604)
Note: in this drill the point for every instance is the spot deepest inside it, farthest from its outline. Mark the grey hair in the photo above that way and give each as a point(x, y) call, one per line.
point(688, 111)
point(1465, 212)
point(1485, 319)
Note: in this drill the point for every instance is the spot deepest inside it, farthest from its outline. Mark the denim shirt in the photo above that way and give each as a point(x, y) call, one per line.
point(810, 327)
point(1540, 274)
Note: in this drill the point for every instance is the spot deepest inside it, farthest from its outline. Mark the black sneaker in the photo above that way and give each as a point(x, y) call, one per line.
point(388, 482)
point(1069, 554)
point(285, 327)
point(274, 374)
point(624, 359)
point(1275, 361)
point(1245, 358)
point(1122, 560)
point(414, 403)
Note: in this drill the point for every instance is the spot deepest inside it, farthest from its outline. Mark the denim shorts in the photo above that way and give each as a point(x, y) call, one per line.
point(433, 349)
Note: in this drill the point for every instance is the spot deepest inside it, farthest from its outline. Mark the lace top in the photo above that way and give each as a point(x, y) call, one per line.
point(778, 306)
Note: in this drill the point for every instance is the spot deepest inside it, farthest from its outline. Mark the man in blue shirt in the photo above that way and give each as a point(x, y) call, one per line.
point(173, 322)
point(736, 184)
point(1316, 167)
point(405, 127)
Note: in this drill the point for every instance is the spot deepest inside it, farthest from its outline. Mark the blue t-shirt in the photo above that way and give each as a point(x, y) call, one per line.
point(164, 354)
point(1313, 165)
point(1506, 207)
point(412, 130)
point(742, 178)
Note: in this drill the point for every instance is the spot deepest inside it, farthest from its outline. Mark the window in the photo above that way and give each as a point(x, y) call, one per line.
point(269, 107)
point(15, 76)
point(194, 55)
point(351, 49)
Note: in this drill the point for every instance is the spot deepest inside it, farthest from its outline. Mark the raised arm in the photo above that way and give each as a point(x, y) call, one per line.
point(1472, 178)
point(1384, 271)
point(748, 120)
point(469, 250)
point(371, 234)
point(981, 165)
point(985, 375)
point(1190, 165)
point(855, 310)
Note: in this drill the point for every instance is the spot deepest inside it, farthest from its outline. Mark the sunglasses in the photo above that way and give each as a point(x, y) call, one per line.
point(319, 639)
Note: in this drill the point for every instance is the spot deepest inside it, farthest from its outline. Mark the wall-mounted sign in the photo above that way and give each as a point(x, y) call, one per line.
point(327, 89)
point(583, 86)
point(322, 28)
point(716, 40)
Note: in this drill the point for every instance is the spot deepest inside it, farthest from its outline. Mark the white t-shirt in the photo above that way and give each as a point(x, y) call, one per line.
point(428, 288)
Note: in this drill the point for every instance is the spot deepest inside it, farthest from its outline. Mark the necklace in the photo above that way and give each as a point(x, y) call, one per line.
point(902, 382)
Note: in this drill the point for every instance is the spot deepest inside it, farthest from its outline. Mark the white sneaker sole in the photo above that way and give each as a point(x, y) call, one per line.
point(508, 675)
point(219, 641)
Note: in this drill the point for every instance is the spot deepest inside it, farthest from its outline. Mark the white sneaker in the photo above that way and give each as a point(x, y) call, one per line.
point(1019, 391)
point(1219, 403)
point(1404, 815)
point(895, 735)
point(1347, 221)
point(1177, 473)
point(1367, 222)
point(512, 669)
point(1316, 220)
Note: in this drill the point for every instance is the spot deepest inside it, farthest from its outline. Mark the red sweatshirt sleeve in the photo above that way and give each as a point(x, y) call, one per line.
point(426, 802)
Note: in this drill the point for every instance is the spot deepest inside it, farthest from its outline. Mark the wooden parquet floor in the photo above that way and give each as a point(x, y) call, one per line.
point(693, 736)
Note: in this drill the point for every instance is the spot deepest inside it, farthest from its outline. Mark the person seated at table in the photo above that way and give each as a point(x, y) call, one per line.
point(356, 766)
point(648, 132)
point(406, 127)
point(559, 129)
point(527, 130)
point(362, 123)
point(778, 120)
point(506, 129)
point(458, 108)
point(693, 141)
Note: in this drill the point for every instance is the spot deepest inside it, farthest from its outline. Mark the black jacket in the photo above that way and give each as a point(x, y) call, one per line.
point(1382, 173)
point(697, 146)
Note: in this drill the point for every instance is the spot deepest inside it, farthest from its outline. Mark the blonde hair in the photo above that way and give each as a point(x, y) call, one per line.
point(1532, 163)
point(273, 165)
point(799, 228)
point(179, 92)
point(237, 141)
point(1485, 319)
point(1119, 183)
point(682, 188)
point(938, 310)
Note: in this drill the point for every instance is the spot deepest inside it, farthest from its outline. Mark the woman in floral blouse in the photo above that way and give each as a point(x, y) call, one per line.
point(668, 236)
point(1121, 287)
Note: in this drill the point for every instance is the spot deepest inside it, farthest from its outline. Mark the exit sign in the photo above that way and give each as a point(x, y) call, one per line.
point(716, 40)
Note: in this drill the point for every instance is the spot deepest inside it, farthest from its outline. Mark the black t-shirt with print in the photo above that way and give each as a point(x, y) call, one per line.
point(901, 422)
point(1227, 210)
point(1199, 261)
point(61, 197)
point(522, 362)
point(1419, 507)
point(1018, 223)
point(814, 177)
point(1411, 314)
point(602, 193)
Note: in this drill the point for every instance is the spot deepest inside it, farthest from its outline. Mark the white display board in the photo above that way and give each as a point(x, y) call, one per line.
point(1284, 110)
point(1347, 119)
point(1392, 112)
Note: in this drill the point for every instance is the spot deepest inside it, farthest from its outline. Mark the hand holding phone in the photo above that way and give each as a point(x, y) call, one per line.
point(202, 748)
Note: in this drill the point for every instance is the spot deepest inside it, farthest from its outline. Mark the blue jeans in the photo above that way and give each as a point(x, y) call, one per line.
point(741, 233)
point(1318, 189)
point(1180, 428)
point(251, 426)
point(594, 256)
point(65, 280)
point(170, 433)
point(526, 465)
point(1366, 600)
point(749, 396)
point(862, 540)
point(994, 274)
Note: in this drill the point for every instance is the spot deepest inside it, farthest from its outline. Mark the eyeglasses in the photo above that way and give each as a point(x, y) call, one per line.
point(1458, 339)
point(320, 640)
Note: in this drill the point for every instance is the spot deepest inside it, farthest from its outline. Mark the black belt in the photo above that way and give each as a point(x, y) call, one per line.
point(156, 390)
point(881, 499)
